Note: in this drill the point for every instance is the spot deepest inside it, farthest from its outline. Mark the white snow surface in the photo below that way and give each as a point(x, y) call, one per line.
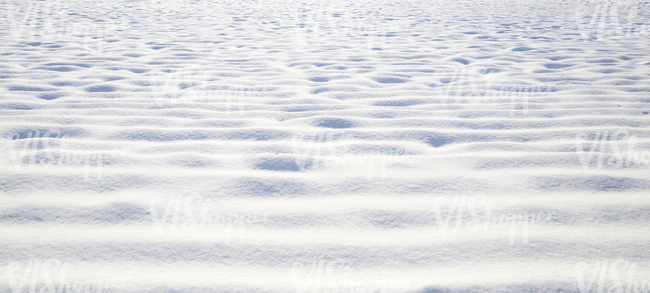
point(324, 146)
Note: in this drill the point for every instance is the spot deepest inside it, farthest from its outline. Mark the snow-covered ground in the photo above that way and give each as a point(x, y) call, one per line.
point(324, 146)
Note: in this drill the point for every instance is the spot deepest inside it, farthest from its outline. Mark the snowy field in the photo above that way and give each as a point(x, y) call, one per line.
point(324, 146)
